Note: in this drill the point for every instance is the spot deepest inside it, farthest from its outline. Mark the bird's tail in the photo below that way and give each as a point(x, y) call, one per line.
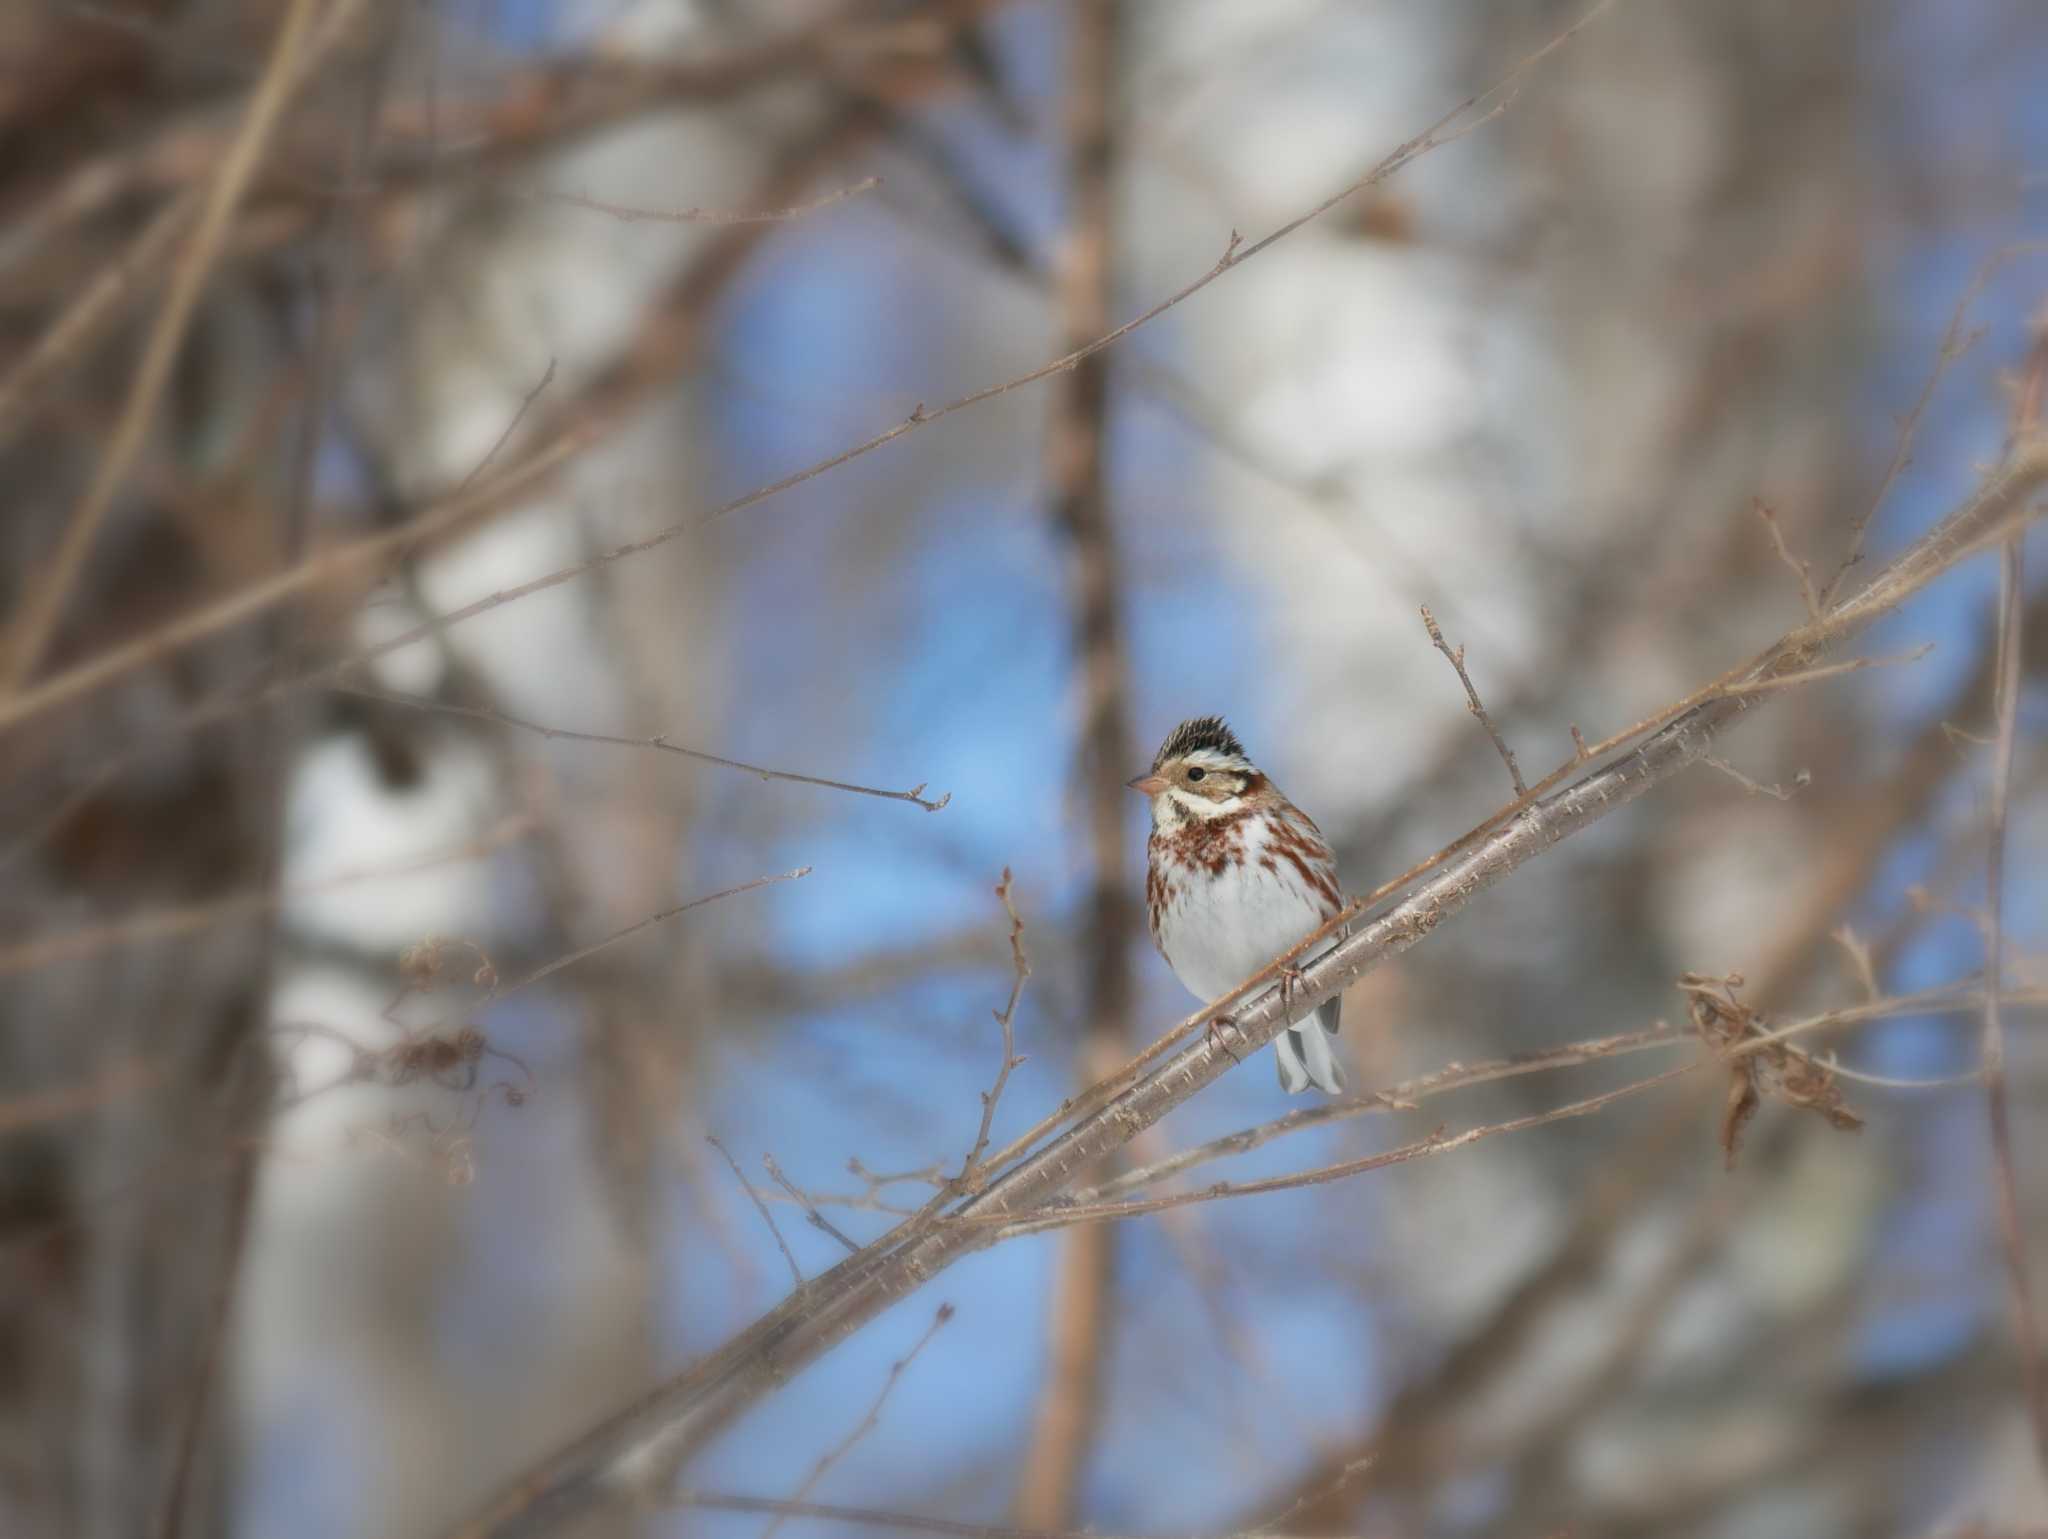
point(1304, 1055)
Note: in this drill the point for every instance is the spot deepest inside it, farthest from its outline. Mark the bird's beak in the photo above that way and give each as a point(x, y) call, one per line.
point(1147, 785)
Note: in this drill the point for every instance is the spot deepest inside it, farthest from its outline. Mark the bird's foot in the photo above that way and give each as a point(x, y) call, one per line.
point(1292, 982)
point(1217, 1039)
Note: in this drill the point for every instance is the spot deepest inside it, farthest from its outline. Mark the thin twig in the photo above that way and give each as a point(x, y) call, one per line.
point(582, 953)
point(818, 1220)
point(1815, 675)
point(1860, 959)
point(867, 1422)
point(971, 1168)
point(1800, 781)
point(1953, 346)
point(1457, 661)
point(1803, 570)
point(760, 1207)
point(659, 743)
point(632, 215)
point(519, 416)
point(1405, 1096)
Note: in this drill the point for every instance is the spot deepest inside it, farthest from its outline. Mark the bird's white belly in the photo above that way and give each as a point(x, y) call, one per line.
point(1217, 931)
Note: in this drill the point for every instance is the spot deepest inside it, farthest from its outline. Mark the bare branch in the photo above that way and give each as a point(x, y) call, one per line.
point(659, 743)
point(1953, 345)
point(1803, 570)
point(818, 1220)
point(867, 1422)
point(760, 1207)
point(631, 215)
point(1406, 1096)
point(971, 1169)
point(1457, 661)
point(1831, 671)
point(1800, 781)
point(582, 953)
point(519, 416)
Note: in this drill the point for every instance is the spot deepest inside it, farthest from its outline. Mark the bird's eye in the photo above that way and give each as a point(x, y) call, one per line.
point(1197, 773)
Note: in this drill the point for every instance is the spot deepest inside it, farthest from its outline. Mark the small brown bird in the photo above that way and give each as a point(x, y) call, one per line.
point(1237, 874)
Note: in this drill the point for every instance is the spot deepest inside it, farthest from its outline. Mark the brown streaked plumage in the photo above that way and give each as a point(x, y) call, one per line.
point(1236, 874)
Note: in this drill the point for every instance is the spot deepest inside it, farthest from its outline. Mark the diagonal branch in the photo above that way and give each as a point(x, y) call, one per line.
point(677, 1418)
point(1472, 702)
point(659, 743)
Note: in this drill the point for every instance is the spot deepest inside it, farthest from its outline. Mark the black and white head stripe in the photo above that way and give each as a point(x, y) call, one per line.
point(1203, 732)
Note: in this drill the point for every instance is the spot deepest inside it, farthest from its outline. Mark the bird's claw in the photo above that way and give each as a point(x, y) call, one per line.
point(1216, 1037)
point(1292, 979)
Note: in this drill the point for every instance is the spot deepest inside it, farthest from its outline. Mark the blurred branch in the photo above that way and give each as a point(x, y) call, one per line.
point(1954, 343)
point(630, 215)
point(870, 1517)
point(191, 918)
point(867, 1424)
point(663, 916)
point(584, 428)
point(658, 743)
point(677, 1418)
point(1083, 1297)
point(668, 333)
point(1998, 1111)
point(294, 57)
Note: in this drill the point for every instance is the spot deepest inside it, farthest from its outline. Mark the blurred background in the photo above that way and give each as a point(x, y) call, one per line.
point(283, 1251)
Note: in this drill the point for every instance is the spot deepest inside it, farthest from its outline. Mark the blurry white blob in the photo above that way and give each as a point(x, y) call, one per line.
point(536, 653)
point(413, 670)
point(344, 819)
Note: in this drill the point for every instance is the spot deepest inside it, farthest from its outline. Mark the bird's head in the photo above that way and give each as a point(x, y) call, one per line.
point(1200, 772)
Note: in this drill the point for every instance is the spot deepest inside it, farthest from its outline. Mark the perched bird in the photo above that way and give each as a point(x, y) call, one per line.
point(1236, 875)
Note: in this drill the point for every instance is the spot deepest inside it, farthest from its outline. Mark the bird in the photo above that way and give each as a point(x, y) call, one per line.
point(1235, 875)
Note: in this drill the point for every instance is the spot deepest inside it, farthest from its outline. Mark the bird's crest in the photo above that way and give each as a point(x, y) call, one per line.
point(1209, 732)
